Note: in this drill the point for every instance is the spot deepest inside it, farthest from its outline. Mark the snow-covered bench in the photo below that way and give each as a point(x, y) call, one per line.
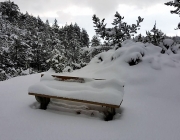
point(102, 92)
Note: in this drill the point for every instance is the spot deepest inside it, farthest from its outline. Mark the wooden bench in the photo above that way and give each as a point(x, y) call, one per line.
point(45, 99)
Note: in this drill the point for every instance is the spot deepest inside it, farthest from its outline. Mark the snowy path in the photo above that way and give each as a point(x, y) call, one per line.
point(150, 111)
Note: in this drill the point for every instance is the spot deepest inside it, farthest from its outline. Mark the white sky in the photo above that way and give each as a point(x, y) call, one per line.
point(81, 11)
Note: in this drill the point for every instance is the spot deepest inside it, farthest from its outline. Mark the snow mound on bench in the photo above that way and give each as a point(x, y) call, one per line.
point(102, 91)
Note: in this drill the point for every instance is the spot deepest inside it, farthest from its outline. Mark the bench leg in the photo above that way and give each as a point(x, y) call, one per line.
point(109, 114)
point(43, 102)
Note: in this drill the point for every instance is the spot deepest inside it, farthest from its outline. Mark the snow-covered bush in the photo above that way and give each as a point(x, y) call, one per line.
point(96, 50)
point(58, 62)
point(130, 52)
point(175, 48)
point(134, 58)
point(27, 71)
point(169, 46)
point(155, 36)
point(139, 38)
point(91, 52)
point(2, 75)
point(133, 53)
point(84, 55)
point(67, 69)
point(166, 45)
point(11, 72)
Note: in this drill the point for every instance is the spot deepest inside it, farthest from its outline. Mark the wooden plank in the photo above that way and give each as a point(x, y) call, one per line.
point(66, 78)
point(76, 100)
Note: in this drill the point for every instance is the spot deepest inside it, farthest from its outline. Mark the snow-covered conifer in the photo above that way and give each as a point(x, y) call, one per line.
point(84, 38)
point(155, 36)
point(95, 41)
point(175, 4)
point(57, 61)
point(55, 26)
point(119, 32)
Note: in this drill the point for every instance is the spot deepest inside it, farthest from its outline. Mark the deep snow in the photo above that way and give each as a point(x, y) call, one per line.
point(150, 110)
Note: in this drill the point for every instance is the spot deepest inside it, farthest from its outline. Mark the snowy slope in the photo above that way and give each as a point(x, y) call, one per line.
point(150, 110)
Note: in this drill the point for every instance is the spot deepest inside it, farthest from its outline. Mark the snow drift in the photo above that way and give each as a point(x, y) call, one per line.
point(150, 108)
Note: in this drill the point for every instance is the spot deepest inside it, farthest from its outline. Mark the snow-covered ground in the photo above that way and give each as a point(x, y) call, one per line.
point(150, 108)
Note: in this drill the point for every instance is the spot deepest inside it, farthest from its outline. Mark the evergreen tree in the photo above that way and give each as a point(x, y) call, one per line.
point(120, 32)
point(47, 23)
point(55, 26)
point(155, 37)
point(84, 38)
point(77, 31)
point(95, 41)
point(57, 62)
point(139, 38)
point(9, 10)
point(175, 4)
point(40, 24)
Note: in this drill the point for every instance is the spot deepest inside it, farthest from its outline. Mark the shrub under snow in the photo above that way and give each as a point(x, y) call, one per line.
point(133, 53)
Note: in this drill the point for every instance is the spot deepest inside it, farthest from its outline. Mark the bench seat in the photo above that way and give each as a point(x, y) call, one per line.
point(103, 92)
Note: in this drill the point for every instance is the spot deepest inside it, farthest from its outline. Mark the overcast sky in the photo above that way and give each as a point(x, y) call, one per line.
point(81, 11)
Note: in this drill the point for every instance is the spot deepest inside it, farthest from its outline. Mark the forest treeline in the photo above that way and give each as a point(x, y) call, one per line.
point(28, 45)
point(27, 42)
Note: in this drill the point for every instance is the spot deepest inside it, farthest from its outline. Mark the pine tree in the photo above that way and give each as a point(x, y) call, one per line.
point(55, 26)
point(77, 31)
point(155, 37)
point(139, 38)
point(40, 24)
point(95, 41)
point(84, 38)
point(176, 4)
point(47, 23)
point(120, 32)
point(9, 10)
point(57, 61)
